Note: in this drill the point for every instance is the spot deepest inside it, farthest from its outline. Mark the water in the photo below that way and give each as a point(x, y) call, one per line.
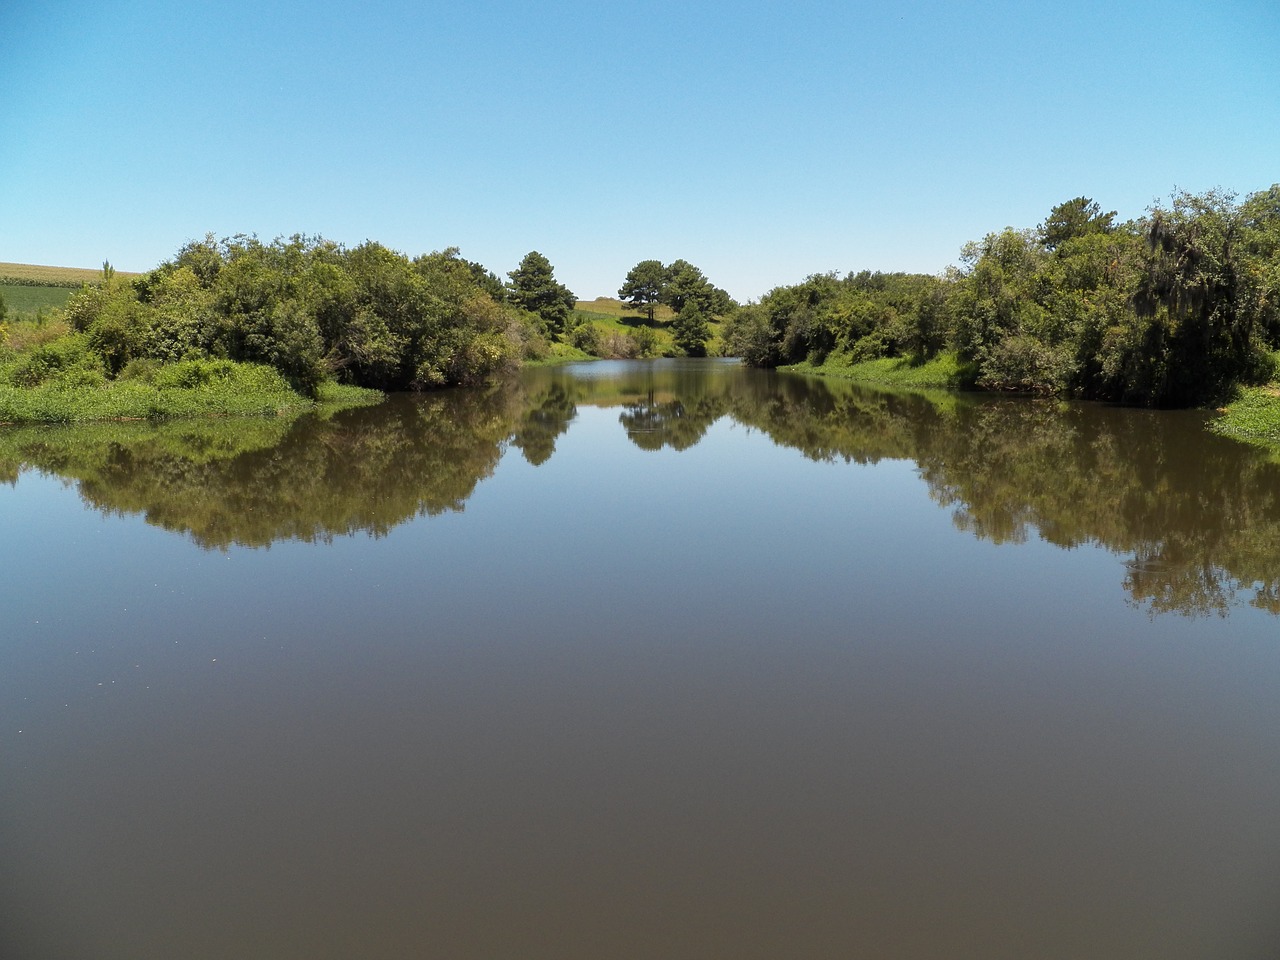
point(642, 660)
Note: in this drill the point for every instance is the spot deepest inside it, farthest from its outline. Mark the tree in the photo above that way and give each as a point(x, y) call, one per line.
point(690, 330)
point(1200, 314)
point(685, 283)
point(535, 288)
point(1077, 217)
point(644, 285)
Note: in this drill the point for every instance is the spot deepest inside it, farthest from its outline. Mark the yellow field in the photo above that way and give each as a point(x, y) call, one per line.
point(53, 276)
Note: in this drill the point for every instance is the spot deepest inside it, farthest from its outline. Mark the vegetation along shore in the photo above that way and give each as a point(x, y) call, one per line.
point(1180, 307)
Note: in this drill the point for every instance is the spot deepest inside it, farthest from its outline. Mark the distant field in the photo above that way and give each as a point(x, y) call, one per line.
point(48, 275)
point(51, 276)
point(29, 287)
point(23, 298)
point(609, 307)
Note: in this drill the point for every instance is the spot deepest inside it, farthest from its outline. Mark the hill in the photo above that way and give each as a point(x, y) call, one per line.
point(30, 274)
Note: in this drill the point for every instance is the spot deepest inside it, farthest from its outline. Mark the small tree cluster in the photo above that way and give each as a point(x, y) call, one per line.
point(686, 290)
point(650, 283)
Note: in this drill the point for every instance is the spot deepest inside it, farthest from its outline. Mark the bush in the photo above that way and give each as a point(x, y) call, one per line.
point(190, 374)
point(68, 360)
point(1026, 364)
point(586, 337)
point(646, 342)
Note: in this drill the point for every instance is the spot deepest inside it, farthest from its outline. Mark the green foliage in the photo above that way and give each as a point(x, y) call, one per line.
point(650, 283)
point(690, 330)
point(646, 342)
point(946, 370)
point(586, 337)
point(311, 310)
point(67, 361)
point(1074, 218)
point(1254, 417)
point(1176, 310)
point(534, 288)
point(685, 283)
point(863, 315)
point(60, 383)
point(643, 286)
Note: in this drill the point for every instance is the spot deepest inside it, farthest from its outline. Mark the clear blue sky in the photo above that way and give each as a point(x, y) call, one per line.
point(762, 141)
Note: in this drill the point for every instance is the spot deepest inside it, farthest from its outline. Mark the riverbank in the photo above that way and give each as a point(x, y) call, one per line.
point(944, 371)
point(1253, 417)
point(194, 388)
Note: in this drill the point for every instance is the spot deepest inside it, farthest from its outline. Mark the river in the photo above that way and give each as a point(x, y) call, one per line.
point(666, 659)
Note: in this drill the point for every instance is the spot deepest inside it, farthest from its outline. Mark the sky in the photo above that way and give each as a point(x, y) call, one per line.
point(762, 141)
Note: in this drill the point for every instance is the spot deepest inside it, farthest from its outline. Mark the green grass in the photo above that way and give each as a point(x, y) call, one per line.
point(944, 370)
point(24, 298)
point(606, 307)
point(559, 353)
point(612, 318)
point(1253, 417)
point(211, 388)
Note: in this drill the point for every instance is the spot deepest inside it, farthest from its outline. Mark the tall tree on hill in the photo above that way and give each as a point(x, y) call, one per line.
point(535, 288)
point(644, 285)
point(686, 283)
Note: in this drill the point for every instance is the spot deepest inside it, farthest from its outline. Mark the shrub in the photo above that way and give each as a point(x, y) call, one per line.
point(586, 337)
point(190, 374)
point(68, 360)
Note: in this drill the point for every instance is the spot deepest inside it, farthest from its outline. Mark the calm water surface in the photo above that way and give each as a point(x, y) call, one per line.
point(652, 660)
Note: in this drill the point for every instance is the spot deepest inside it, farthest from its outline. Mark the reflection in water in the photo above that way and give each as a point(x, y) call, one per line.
point(679, 682)
point(1197, 517)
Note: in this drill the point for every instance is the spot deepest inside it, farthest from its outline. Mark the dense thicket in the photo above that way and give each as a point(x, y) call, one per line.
point(312, 310)
point(1174, 309)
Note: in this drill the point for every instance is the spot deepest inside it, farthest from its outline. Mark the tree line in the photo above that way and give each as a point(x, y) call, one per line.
point(1176, 308)
point(315, 310)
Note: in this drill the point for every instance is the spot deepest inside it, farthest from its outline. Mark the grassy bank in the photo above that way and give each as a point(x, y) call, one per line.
point(1254, 417)
point(197, 388)
point(944, 370)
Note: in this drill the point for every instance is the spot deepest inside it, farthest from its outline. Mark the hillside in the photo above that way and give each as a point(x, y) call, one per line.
point(24, 274)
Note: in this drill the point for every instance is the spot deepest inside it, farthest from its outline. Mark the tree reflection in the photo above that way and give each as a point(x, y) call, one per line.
point(1194, 517)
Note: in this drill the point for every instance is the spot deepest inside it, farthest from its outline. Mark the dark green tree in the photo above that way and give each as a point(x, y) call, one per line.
point(534, 288)
point(1200, 321)
point(644, 285)
point(690, 330)
point(686, 282)
point(1076, 217)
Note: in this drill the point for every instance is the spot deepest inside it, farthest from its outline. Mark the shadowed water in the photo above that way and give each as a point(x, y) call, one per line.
point(660, 659)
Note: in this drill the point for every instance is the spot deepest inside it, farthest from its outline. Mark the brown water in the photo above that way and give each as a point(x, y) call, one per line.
point(642, 660)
